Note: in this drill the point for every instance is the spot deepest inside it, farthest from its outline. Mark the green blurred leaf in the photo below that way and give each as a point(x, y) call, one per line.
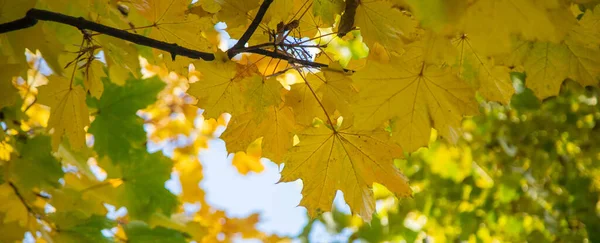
point(117, 129)
point(140, 232)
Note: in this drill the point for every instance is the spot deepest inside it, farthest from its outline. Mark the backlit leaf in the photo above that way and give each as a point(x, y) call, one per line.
point(69, 112)
point(117, 129)
point(345, 159)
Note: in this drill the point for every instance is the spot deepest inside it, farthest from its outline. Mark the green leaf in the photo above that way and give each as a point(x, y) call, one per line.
point(117, 129)
point(140, 232)
point(143, 191)
point(75, 229)
point(35, 167)
point(525, 100)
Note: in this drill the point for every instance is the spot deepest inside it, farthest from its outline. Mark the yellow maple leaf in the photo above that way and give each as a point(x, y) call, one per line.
point(491, 23)
point(321, 94)
point(218, 89)
point(588, 29)
point(548, 64)
point(280, 11)
point(346, 159)
point(305, 106)
point(262, 93)
point(416, 95)
point(171, 22)
point(235, 13)
point(435, 14)
point(94, 72)
point(121, 58)
point(234, 88)
point(69, 113)
point(12, 207)
point(276, 129)
point(492, 81)
point(380, 22)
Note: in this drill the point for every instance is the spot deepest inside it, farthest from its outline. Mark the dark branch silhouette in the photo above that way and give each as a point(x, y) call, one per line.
point(34, 15)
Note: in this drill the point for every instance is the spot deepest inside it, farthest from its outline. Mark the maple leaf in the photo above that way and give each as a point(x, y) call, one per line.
point(548, 64)
point(143, 191)
point(35, 167)
point(69, 112)
point(94, 72)
point(12, 207)
point(172, 23)
point(416, 95)
point(380, 22)
point(276, 129)
point(75, 202)
point(491, 23)
point(322, 94)
point(492, 81)
point(75, 228)
point(117, 129)
point(435, 14)
point(235, 13)
point(233, 88)
point(345, 159)
point(121, 59)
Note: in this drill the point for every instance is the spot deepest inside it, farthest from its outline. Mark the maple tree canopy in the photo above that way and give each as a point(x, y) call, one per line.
point(343, 94)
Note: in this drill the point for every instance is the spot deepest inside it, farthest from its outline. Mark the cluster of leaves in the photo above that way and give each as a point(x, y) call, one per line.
point(528, 172)
point(64, 196)
point(298, 88)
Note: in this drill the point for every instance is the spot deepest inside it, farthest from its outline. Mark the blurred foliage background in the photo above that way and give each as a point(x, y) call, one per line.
point(527, 172)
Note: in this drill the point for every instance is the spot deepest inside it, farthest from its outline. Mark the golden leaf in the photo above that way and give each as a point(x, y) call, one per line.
point(345, 159)
point(69, 112)
point(276, 128)
point(417, 97)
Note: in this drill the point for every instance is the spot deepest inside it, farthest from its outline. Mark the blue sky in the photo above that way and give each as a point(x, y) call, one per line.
point(243, 195)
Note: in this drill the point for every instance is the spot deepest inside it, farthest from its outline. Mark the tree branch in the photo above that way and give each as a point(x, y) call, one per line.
point(251, 29)
point(33, 15)
point(290, 59)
